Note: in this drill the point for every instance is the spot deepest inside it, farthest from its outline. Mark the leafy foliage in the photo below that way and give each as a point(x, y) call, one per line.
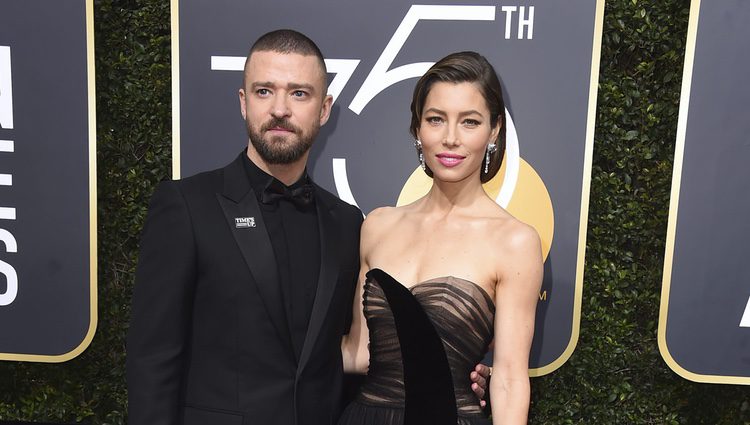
point(133, 153)
point(615, 376)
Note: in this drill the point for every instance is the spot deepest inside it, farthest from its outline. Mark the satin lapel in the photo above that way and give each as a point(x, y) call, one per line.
point(329, 272)
point(238, 202)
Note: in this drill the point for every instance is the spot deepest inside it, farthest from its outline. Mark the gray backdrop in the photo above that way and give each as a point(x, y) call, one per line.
point(547, 82)
point(45, 150)
point(709, 283)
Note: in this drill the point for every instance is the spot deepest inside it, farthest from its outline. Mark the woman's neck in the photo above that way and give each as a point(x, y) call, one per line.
point(454, 196)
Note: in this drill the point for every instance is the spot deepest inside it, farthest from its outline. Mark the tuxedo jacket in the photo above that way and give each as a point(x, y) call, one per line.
point(209, 341)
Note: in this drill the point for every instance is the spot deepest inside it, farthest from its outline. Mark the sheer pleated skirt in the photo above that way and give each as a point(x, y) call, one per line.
point(359, 413)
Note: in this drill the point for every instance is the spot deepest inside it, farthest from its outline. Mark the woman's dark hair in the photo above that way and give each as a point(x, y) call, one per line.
point(465, 67)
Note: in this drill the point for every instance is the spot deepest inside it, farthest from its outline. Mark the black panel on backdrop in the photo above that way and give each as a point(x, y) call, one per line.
point(374, 53)
point(704, 331)
point(47, 254)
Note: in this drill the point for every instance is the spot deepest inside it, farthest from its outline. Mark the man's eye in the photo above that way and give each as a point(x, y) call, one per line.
point(299, 93)
point(263, 92)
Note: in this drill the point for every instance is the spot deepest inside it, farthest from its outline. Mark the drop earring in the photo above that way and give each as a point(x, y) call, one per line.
point(418, 146)
point(491, 148)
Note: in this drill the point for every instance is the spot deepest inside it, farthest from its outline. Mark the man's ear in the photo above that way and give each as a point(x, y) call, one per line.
point(325, 109)
point(243, 111)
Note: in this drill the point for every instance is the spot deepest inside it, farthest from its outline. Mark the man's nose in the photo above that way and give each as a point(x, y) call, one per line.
point(280, 108)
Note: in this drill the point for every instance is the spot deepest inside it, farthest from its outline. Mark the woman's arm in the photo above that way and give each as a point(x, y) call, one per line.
point(516, 297)
point(354, 345)
point(354, 350)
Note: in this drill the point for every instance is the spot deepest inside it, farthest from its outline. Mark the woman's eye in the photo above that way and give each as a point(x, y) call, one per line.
point(471, 123)
point(434, 120)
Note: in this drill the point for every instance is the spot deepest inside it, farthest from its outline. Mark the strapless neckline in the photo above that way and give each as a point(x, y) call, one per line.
point(441, 279)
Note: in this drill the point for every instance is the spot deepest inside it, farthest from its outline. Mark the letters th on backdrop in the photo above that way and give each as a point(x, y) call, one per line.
point(704, 327)
point(47, 180)
point(546, 52)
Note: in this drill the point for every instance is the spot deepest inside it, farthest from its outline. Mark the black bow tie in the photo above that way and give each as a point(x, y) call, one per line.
point(301, 196)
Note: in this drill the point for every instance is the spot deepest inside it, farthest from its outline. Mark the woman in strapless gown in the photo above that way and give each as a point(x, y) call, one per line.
point(446, 275)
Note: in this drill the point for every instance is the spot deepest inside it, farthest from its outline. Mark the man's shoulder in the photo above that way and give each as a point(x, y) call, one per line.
point(334, 203)
point(205, 178)
point(206, 182)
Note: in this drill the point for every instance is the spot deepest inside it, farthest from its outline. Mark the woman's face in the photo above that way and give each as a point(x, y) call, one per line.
point(455, 130)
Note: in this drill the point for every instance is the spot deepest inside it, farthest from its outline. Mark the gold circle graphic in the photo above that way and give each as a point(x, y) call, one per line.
point(530, 202)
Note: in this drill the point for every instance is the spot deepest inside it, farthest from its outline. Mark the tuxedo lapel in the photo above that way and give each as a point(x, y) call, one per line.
point(245, 221)
point(329, 271)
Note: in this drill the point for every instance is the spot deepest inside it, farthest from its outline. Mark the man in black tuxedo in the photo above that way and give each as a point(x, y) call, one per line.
point(237, 317)
point(246, 274)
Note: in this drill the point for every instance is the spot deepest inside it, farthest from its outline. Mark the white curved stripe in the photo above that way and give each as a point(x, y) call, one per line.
point(513, 162)
point(401, 73)
point(380, 77)
point(342, 181)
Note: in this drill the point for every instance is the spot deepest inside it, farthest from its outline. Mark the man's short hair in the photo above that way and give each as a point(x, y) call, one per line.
point(286, 41)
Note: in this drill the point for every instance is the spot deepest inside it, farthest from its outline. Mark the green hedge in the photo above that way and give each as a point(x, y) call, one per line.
point(133, 105)
point(615, 376)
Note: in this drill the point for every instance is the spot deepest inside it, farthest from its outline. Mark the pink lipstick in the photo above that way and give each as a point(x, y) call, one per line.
point(448, 159)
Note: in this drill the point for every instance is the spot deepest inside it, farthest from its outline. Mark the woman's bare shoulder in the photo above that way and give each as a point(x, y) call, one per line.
point(378, 215)
point(509, 236)
point(517, 246)
point(384, 216)
point(379, 219)
point(518, 235)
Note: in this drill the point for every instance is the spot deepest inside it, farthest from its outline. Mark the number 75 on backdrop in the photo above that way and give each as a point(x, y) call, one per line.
point(374, 53)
